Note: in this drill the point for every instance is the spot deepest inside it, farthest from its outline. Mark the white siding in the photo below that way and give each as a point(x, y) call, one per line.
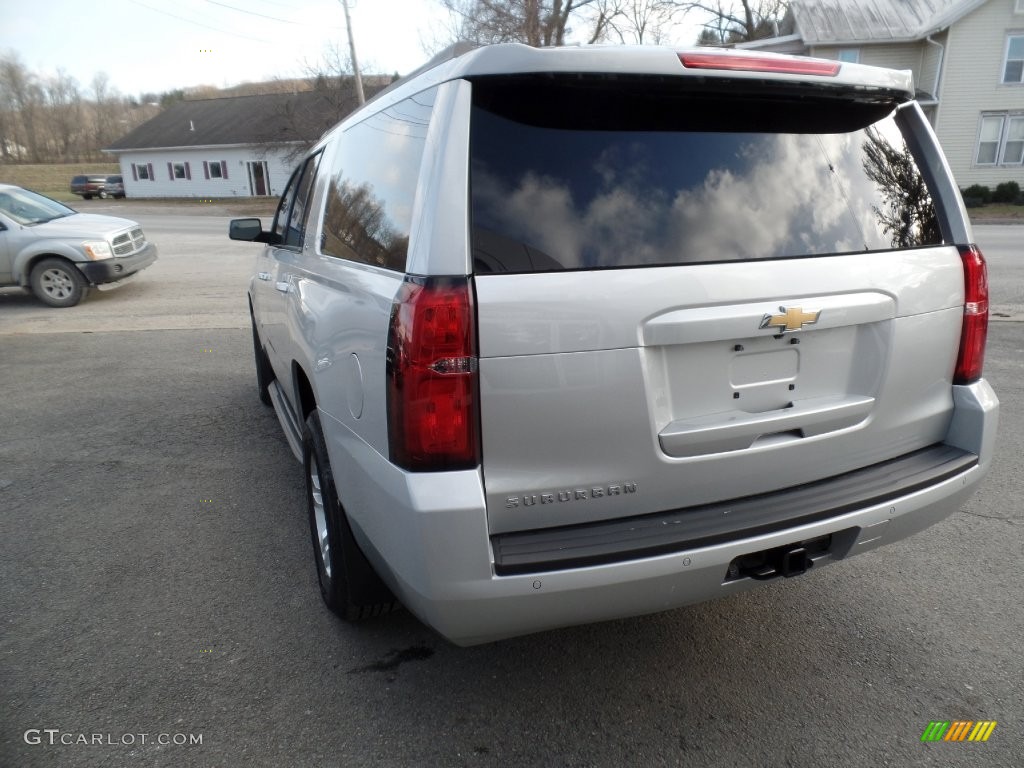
point(237, 183)
point(930, 61)
point(894, 56)
point(972, 84)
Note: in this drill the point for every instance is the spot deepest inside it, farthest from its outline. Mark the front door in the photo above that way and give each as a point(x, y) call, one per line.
point(259, 178)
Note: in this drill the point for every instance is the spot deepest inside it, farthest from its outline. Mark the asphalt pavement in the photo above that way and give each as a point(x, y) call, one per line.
point(159, 605)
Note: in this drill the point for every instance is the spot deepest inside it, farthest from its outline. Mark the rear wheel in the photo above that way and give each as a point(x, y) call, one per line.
point(348, 583)
point(57, 282)
point(264, 372)
point(87, 197)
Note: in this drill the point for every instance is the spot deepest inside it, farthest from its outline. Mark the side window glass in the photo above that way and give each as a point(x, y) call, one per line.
point(296, 228)
point(284, 207)
point(373, 184)
point(290, 218)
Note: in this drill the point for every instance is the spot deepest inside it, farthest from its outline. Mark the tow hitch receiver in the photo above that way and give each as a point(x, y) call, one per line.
point(787, 561)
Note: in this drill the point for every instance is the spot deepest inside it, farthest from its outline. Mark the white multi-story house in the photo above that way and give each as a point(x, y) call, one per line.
point(225, 147)
point(967, 57)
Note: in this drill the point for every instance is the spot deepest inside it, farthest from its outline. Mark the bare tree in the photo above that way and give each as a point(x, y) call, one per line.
point(640, 21)
point(534, 22)
point(65, 116)
point(737, 21)
point(21, 94)
point(103, 119)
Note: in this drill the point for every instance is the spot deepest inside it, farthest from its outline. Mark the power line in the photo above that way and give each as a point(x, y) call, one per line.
point(252, 13)
point(200, 24)
point(272, 18)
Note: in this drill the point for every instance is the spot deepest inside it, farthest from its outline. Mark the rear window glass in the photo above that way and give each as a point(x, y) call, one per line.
point(373, 184)
point(597, 175)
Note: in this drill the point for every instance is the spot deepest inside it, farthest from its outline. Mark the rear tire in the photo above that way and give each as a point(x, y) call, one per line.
point(57, 282)
point(87, 197)
point(103, 195)
point(264, 371)
point(348, 584)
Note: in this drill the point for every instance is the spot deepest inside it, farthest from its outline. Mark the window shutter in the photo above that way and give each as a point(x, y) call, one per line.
point(224, 168)
point(206, 169)
point(188, 171)
point(170, 171)
point(149, 167)
point(135, 173)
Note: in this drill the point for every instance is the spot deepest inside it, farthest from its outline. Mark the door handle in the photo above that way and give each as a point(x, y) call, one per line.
point(736, 431)
point(263, 275)
point(282, 286)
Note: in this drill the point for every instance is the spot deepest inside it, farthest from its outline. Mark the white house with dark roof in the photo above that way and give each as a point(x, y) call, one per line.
point(228, 147)
point(967, 57)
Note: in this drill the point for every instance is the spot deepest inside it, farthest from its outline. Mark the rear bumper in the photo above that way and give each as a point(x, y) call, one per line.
point(111, 270)
point(432, 544)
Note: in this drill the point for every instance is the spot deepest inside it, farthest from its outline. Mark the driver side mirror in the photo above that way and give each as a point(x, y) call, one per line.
point(250, 230)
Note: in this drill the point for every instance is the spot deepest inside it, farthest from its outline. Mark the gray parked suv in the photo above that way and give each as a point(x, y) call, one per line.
point(574, 334)
point(59, 253)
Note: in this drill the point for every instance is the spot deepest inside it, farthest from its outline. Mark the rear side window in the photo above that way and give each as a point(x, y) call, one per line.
point(593, 175)
point(373, 182)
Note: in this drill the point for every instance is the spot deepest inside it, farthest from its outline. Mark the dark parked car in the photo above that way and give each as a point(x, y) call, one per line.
point(90, 185)
point(115, 187)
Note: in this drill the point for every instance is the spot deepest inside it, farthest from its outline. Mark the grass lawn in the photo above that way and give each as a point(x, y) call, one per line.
point(52, 180)
point(997, 212)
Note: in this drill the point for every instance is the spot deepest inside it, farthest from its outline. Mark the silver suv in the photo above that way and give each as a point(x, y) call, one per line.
point(60, 254)
point(573, 334)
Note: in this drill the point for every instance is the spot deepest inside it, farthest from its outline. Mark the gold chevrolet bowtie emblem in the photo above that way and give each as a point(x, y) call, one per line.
point(791, 319)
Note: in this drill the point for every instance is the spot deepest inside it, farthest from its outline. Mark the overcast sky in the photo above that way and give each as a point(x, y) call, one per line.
point(160, 45)
point(156, 45)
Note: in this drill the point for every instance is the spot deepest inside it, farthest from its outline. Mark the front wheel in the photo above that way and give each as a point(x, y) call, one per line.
point(348, 584)
point(103, 195)
point(57, 282)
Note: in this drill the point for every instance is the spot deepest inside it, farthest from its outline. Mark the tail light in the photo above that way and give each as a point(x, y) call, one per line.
point(781, 65)
point(971, 358)
point(433, 398)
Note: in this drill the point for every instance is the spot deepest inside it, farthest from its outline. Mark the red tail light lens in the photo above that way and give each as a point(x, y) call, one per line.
point(760, 64)
point(971, 358)
point(432, 376)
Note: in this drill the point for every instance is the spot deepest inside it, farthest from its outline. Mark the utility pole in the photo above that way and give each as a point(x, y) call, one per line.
point(352, 53)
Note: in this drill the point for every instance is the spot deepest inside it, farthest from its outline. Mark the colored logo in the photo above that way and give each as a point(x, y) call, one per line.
point(958, 730)
point(791, 319)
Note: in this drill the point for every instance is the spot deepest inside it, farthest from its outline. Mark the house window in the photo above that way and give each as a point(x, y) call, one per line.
point(852, 55)
point(1001, 140)
point(1019, 7)
point(1013, 69)
point(215, 169)
point(142, 171)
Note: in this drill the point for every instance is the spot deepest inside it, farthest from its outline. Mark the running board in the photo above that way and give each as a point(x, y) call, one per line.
point(289, 423)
